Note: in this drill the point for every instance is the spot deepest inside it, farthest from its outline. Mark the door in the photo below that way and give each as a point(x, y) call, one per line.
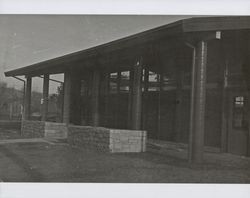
point(238, 124)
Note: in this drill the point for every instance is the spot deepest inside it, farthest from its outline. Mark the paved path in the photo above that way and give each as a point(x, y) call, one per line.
point(28, 140)
point(41, 160)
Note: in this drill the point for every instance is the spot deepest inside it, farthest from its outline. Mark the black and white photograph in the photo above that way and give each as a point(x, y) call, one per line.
point(124, 99)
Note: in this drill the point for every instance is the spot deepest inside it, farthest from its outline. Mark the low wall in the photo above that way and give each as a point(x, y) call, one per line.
point(40, 129)
point(32, 129)
point(107, 140)
point(127, 140)
point(53, 130)
point(95, 138)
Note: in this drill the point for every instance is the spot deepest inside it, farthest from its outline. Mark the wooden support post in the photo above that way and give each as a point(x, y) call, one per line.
point(66, 100)
point(131, 82)
point(75, 106)
point(178, 109)
point(11, 111)
point(118, 96)
point(106, 98)
point(145, 98)
point(95, 98)
point(197, 141)
point(45, 97)
point(62, 105)
point(27, 106)
point(137, 96)
point(159, 84)
point(87, 99)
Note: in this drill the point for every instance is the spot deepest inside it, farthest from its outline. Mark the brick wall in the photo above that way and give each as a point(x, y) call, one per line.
point(32, 129)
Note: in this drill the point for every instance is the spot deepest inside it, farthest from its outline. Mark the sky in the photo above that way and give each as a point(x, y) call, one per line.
point(28, 39)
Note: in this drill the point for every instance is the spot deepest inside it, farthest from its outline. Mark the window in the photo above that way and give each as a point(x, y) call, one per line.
point(125, 77)
point(153, 81)
point(239, 101)
point(113, 82)
point(239, 113)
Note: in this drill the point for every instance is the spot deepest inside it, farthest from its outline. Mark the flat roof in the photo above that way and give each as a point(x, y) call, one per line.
point(201, 24)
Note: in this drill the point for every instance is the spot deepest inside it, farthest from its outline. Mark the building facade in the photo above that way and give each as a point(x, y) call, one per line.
point(183, 82)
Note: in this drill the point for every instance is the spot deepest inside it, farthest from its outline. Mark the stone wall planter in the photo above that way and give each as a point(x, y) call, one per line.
point(40, 129)
point(95, 138)
point(107, 140)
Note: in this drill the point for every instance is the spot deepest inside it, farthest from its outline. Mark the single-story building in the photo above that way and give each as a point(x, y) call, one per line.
point(181, 82)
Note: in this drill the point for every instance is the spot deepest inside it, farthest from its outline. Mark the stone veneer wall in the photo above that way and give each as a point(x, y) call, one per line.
point(55, 130)
point(107, 140)
point(96, 138)
point(127, 140)
point(32, 129)
point(40, 129)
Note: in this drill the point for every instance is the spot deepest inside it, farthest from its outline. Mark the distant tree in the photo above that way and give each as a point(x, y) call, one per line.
point(56, 101)
point(10, 101)
point(3, 88)
point(59, 96)
point(36, 102)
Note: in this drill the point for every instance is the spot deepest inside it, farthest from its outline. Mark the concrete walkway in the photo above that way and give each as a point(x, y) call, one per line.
point(44, 160)
point(211, 157)
point(28, 140)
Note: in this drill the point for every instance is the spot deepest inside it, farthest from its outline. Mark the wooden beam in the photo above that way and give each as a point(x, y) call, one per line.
point(216, 23)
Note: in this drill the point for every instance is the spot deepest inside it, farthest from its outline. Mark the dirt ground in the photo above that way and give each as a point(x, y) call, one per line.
point(39, 161)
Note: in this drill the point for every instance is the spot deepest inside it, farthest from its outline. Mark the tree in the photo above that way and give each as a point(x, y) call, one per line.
point(10, 101)
point(59, 96)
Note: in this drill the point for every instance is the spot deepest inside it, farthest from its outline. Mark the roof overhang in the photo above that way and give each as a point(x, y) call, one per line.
point(192, 25)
